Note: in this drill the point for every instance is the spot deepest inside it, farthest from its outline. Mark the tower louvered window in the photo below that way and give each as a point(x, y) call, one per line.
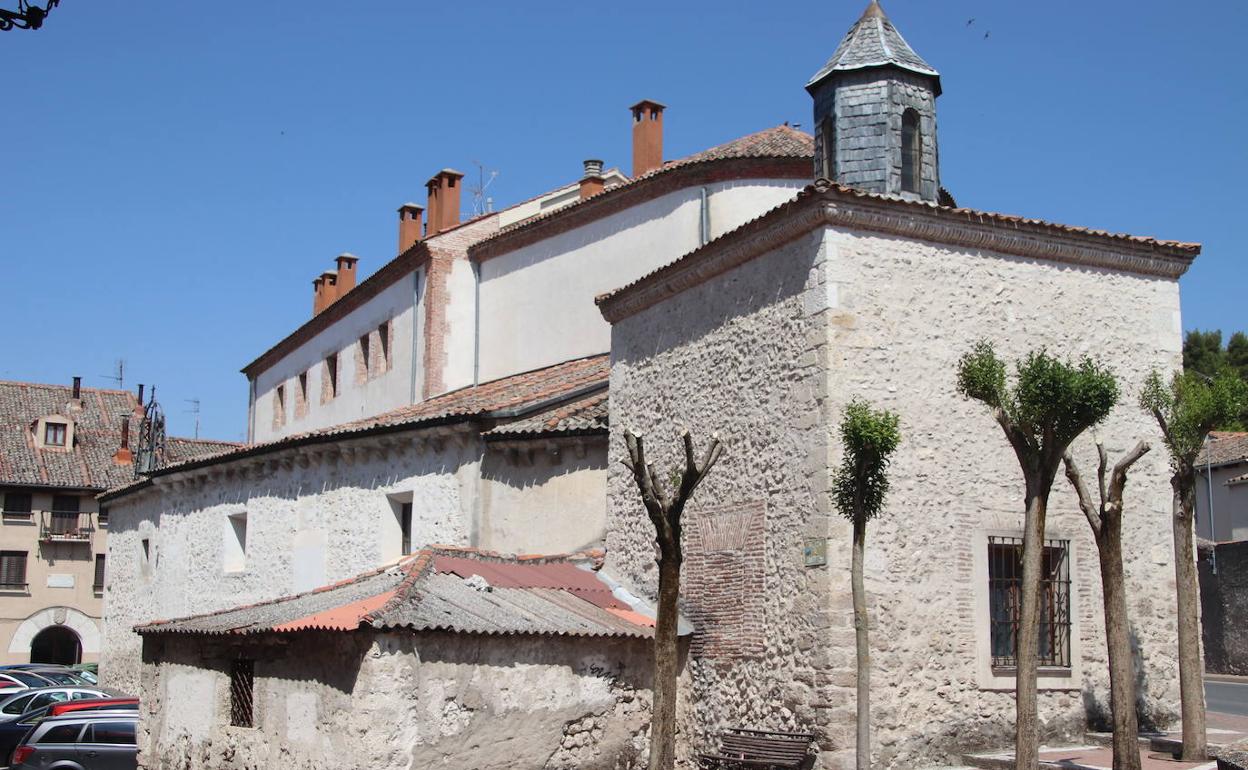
point(911, 151)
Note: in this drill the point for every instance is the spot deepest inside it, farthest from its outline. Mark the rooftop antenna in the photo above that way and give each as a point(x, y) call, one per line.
point(120, 374)
point(480, 203)
point(194, 402)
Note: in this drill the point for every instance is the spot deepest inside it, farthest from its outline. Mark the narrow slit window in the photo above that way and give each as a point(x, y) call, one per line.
point(383, 344)
point(99, 572)
point(279, 406)
point(329, 379)
point(827, 131)
point(405, 527)
point(911, 150)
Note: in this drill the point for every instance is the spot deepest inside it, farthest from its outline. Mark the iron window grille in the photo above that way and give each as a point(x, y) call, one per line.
point(1005, 573)
point(242, 693)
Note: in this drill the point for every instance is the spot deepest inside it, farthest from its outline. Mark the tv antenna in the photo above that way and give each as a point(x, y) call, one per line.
point(119, 374)
point(480, 203)
point(194, 402)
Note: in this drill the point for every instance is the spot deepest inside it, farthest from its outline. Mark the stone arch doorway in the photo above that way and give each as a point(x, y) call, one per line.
point(56, 644)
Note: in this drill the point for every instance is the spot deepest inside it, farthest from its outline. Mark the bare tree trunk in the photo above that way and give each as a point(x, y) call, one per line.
point(1118, 641)
point(1027, 738)
point(1191, 674)
point(666, 654)
point(863, 756)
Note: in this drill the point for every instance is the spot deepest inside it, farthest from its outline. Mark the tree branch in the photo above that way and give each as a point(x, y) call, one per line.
point(1089, 508)
point(1119, 479)
point(1103, 463)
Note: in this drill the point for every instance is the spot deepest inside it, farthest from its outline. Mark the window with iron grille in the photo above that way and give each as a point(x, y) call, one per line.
point(242, 693)
point(12, 569)
point(99, 572)
point(64, 515)
point(1005, 579)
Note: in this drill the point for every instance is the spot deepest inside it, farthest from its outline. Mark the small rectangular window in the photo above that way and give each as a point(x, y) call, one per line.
point(279, 406)
point(235, 543)
point(329, 379)
point(405, 527)
point(301, 395)
point(54, 434)
point(366, 354)
point(383, 337)
point(66, 503)
point(99, 572)
point(1005, 579)
point(242, 693)
point(13, 569)
point(102, 515)
point(17, 503)
point(145, 556)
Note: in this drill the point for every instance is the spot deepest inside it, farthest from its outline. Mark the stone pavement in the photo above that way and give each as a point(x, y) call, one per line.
point(1156, 750)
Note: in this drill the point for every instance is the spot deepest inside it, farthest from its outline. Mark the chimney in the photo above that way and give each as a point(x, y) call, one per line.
point(77, 388)
point(443, 200)
point(409, 225)
point(593, 182)
point(140, 394)
point(123, 455)
point(318, 296)
point(647, 136)
point(329, 289)
point(346, 273)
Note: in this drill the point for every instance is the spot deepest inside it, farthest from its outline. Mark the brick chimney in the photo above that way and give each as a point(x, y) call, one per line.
point(409, 225)
point(346, 273)
point(647, 136)
point(123, 455)
point(77, 388)
point(593, 182)
point(443, 200)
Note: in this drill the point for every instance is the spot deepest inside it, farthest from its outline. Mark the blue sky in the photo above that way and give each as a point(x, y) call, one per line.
point(176, 173)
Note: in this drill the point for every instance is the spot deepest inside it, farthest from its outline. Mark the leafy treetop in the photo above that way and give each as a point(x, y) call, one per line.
point(1190, 406)
point(1052, 401)
point(869, 437)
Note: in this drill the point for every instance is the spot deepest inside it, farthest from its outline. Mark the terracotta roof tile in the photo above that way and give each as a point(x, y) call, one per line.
point(460, 590)
point(1223, 447)
point(582, 415)
point(89, 463)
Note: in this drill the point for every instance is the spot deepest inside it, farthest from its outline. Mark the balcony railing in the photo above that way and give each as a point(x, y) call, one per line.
point(65, 527)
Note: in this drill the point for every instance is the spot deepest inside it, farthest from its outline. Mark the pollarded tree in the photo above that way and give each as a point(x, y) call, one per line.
point(1105, 519)
point(665, 508)
point(1051, 403)
point(859, 486)
point(1186, 410)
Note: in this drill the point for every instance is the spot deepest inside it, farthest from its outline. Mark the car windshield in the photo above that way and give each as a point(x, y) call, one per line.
point(27, 678)
point(60, 677)
point(18, 704)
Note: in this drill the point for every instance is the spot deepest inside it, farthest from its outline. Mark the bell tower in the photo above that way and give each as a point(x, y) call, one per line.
point(875, 113)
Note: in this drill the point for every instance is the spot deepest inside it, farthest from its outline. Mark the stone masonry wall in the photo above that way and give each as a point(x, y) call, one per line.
point(767, 355)
point(397, 700)
point(739, 356)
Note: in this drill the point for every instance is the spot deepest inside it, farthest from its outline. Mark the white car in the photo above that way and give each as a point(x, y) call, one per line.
point(28, 700)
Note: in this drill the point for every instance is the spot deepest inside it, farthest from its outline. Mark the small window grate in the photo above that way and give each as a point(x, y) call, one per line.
point(1005, 580)
point(242, 693)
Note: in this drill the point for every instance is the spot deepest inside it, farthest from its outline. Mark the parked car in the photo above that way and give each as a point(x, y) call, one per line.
point(20, 679)
point(104, 740)
point(61, 676)
point(20, 712)
point(93, 704)
point(88, 671)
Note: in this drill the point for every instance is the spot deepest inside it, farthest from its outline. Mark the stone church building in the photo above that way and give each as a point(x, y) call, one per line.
point(429, 554)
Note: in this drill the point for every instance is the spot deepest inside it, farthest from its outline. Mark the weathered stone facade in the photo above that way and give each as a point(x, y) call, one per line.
point(768, 352)
point(404, 701)
point(325, 514)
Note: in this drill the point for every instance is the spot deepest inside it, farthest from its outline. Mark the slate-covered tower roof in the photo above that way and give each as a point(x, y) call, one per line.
point(875, 112)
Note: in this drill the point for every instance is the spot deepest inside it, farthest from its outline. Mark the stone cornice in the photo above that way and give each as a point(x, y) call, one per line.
point(826, 204)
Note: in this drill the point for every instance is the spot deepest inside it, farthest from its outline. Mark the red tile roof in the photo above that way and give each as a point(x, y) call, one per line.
point(446, 588)
point(507, 398)
point(89, 463)
point(1224, 447)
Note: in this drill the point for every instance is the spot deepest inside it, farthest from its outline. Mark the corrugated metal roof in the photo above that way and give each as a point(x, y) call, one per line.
point(449, 589)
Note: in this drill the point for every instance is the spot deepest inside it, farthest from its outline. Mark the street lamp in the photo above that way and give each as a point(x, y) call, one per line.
point(27, 15)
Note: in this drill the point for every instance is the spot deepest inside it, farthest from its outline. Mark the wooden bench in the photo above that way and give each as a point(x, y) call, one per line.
point(740, 748)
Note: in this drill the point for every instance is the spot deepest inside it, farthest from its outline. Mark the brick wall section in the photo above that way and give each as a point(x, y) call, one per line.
point(724, 581)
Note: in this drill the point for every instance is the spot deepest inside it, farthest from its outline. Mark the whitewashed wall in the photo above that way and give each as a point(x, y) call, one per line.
point(386, 391)
point(537, 302)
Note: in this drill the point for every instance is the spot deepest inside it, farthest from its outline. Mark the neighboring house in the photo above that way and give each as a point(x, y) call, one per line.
point(1224, 550)
point(458, 396)
point(60, 446)
point(1222, 507)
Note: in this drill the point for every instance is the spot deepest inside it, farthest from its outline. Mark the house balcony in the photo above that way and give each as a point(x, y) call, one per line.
point(65, 527)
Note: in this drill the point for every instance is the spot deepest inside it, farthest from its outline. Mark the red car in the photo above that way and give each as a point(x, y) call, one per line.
point(93, 704)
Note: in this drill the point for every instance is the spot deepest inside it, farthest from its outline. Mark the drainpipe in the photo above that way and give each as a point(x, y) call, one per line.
point(415, 333)
point(705, 223)
point(1213, 533)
